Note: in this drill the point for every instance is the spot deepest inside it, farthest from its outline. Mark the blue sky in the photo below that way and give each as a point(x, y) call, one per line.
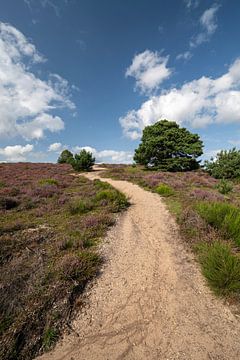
point(92, 74)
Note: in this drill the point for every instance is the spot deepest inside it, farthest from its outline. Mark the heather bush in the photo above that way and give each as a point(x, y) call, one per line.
point(220, 267)
point(202, 194)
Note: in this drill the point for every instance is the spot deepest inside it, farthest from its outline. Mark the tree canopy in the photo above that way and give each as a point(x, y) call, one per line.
point(66, 157)
point(226, 165)
point(83, 161)
point(167, 146)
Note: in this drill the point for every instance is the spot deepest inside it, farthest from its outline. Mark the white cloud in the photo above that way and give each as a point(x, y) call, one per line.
point(25, 99)
point(191, 3)
point(149, 69)
point(197, 103)
point(16, 153)
point(184, 56)
point(55, 147)
point(108, 155)
point(209, 25)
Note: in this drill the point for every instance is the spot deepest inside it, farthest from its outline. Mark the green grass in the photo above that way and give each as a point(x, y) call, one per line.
point(220, 267)
point(80, 206)
point(2, 184)
point(114, 197)
point(164, 190)
point(49, 338)
point(222, 216)
point(43, 182)
point(224, 187)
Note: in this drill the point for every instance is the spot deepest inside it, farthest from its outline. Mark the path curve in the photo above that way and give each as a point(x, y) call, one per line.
point(150, 301)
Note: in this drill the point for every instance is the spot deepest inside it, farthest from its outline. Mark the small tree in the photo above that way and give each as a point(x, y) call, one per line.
point(66, 157)
point(83, 161)
point(168, 147)
point(226, 165)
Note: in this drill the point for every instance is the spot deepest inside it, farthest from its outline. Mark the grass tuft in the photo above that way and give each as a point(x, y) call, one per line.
point(164, 190)
point(224, 187)
point(49, 338)
point(220, 267)
point(44, 182)
point(222, 216)
point(79, 206)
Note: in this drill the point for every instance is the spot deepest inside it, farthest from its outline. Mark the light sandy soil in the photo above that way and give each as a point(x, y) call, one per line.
point(150, 301)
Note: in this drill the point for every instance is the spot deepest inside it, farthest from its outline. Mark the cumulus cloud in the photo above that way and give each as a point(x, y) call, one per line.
point(209, 26)
point(16, 153)
point(149, 70)
point(197, 103)
point(26, 100)
point(108, 155)
point(55, 147)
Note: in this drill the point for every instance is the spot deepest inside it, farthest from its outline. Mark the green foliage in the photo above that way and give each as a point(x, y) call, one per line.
point(48, 182)
point(113, 197)
point(220, 267)
point(49, 338)
point(224, 186)
point(79, 206)
point(83, 161)
point(2, 184)
point(164, 190)
point(226, 165)
point(222, 216)
point(101, 184)
point(66, 157)
point(168, 147)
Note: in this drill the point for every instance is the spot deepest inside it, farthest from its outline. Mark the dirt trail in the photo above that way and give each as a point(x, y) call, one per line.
point(150, 301)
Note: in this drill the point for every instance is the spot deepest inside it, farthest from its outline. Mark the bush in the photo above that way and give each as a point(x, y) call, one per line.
point(164, 190)
point(79, 206)
point(220, 267)
point(222, 216)
point(226, 165)
point(66, 157)
point(224, 187)
point(114, 198)
point(83, 161)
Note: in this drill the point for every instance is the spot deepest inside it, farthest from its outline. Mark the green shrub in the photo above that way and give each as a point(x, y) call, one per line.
point(48, 182)
point(224, 186)
point(49, 338)
point(66, 157)
point(83, 161)
point(114, 198)
point(226, 165)
point(79, 206)
point(220, 267)
point(224, 217)
point(164, 190)
point(101, 184)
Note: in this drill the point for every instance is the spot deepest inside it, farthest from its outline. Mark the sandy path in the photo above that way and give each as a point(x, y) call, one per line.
point(150, 301)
